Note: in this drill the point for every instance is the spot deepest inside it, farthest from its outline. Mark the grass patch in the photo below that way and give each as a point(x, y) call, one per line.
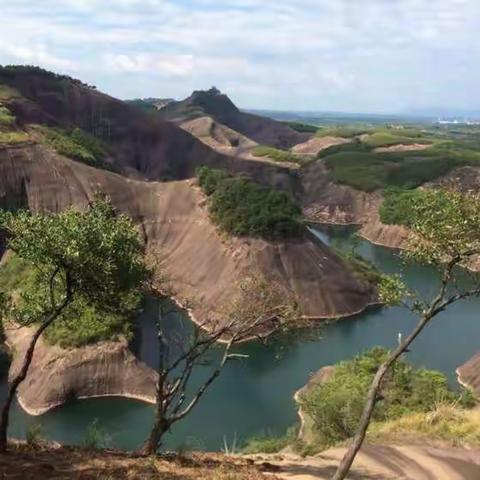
point(345, 131)
point(270, 443)
point(446, 422)
point(11, 138)
point(6, 118)
point(387, 139)
point(335, 406)
point(243, 208)
point(277, 155)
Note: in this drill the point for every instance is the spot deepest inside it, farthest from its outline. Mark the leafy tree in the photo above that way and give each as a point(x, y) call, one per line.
point(258, 309)
point(445, 234)
point(94, 256)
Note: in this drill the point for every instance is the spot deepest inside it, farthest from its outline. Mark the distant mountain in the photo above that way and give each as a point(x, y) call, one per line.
point(217, 106)
point(150, 104)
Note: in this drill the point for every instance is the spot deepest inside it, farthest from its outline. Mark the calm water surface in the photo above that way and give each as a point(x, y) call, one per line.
point(254, 396)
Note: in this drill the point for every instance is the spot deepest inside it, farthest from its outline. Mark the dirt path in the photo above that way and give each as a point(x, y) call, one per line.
point(382, 463)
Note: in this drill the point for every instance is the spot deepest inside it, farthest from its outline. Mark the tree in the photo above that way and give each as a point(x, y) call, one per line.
point(94, 256)
point(259, 308)
point(445, 234)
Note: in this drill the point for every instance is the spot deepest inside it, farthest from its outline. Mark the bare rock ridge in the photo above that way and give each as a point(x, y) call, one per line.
point(140, 145)
point(212, 103)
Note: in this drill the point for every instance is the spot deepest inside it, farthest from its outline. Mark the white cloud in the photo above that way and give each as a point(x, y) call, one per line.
point(175, 65)
point(311, 50)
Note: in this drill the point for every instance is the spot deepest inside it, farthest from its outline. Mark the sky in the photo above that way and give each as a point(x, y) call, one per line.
point(389, 56)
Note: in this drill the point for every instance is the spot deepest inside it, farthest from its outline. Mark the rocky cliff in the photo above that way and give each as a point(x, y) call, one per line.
point(57, 376)
point(326, 202)
point(468, 374)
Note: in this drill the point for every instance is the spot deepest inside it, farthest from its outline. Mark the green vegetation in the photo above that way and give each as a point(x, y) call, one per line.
point(302, 127)
point(14, 137)
point(335, 406)
point(345, 131)
point(361, 170)
point(144, 104)
point(78, 145)
point(9, 134)
point(34, 435)
point(95, 436)
point(10, 71)
point(270, 443)
point(277, 154)
point(369, 171)
point(93, 258)
point(80, 323)
point(244, 208)
point(396, 208)
point(364, 269)
point(6, 118)
point(352, 147)
point(386, 139)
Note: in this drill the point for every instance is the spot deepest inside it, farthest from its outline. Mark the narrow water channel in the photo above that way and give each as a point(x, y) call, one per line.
point(254, 396)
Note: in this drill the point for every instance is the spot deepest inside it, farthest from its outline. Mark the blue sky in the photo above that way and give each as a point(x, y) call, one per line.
point(336, 55)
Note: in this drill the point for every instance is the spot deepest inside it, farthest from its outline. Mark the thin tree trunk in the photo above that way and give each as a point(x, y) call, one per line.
point(353, 449)
point(160, 427)
point(160, 424)
point(15, 383)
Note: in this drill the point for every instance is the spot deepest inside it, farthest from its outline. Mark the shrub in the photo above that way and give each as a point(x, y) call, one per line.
point(270, 443)
point(95, 436)
point(6, 118)
point(78, 145)
point(277, 154)
point(67, 146)
point(34, 434)
point(397, 206)
point(244, 208)
point(336, 405)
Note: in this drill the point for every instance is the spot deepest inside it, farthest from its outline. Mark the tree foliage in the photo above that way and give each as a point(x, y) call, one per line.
point(244, 208)
point(336, 405)
point(100, 251)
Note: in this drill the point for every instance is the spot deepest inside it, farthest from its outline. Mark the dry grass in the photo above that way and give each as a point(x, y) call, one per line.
point(446, 423)
point(24, 463)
